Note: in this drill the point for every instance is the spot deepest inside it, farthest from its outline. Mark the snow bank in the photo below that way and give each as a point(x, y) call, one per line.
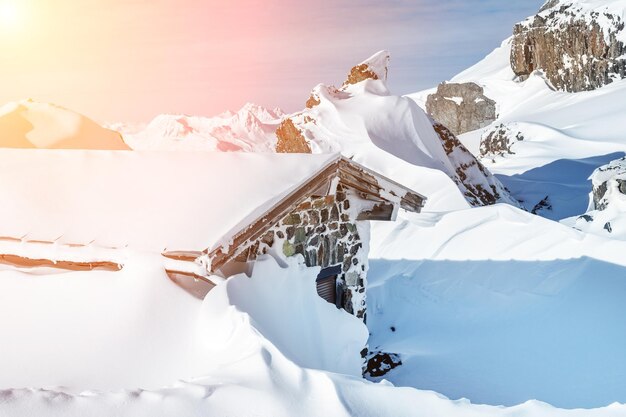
point(533, 312)
point(136, 328)
point(232, 345)
point(283, 306)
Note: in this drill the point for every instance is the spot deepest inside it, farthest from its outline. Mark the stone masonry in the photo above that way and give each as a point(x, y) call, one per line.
point(324, 231)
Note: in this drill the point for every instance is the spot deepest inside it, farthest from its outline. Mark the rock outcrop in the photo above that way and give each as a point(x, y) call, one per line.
point(290, 139)
point(578, 45)
point(461, 107)
point(374, 68)
point(499, 140)
point(478, 185)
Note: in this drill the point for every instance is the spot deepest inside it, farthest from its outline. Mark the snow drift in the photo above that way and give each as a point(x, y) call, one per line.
point(364, 121)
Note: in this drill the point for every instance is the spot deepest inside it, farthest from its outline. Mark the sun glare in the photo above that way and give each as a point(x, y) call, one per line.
point(9, 14)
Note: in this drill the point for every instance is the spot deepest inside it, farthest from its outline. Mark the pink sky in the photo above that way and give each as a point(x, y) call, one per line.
point(128, 60)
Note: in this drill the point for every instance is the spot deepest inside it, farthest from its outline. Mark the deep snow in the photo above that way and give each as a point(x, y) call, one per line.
point(491, 304)
point(533, 312)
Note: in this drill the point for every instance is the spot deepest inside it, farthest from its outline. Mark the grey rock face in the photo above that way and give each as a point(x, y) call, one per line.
point(477, 184)
point(577, 50)
point(461, 107)
point(499, 141)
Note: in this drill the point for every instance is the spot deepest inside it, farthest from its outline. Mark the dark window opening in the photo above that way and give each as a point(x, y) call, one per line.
point(327, 288)
point(327, 284)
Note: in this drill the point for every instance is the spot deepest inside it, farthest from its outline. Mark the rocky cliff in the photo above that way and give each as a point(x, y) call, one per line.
point(461, 107)
point(579, 45)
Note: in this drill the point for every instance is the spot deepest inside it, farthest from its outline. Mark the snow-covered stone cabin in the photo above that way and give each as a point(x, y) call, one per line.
point(204, 214)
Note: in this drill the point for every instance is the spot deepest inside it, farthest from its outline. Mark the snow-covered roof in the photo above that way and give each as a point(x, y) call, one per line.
point(159, 201)
point(147, 200)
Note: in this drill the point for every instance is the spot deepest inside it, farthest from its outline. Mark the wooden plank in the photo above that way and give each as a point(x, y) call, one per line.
point(195, 285)
point(189, 256)
point(23, 262)
point(360, 176)
point(381, 211)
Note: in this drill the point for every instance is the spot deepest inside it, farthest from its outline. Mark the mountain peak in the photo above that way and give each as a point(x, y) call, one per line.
point(375, 68)
point(32, 124)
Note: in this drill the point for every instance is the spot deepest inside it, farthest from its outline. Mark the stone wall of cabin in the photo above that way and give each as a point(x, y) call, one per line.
point(324, 231)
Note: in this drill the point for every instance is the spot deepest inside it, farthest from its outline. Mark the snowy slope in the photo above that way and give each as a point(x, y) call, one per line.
point(533, 312)
point(556, 127)
point(29, 124)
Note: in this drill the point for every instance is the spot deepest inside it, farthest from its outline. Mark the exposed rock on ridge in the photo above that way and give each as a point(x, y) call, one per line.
point(290, 139)
point(479, 186)
point(578, 47)
point(461, 107)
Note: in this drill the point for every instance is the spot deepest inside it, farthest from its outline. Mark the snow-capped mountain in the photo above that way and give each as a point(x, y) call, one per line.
point(30, 124)
point(363, 118)
point(250, 129)
point(545, 143)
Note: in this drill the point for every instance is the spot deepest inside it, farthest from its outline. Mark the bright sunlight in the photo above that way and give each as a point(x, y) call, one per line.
point(9, 14)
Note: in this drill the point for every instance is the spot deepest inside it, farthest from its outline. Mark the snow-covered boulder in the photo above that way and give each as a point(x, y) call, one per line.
point(579, 44)
point(30, 124)
point(461, 107)
point(363, 119)
point(607, 181)
point(499, 140)
point(607, 202)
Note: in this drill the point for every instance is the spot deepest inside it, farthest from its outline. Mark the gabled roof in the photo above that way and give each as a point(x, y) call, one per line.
point(153, 200)
point(369, 184)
